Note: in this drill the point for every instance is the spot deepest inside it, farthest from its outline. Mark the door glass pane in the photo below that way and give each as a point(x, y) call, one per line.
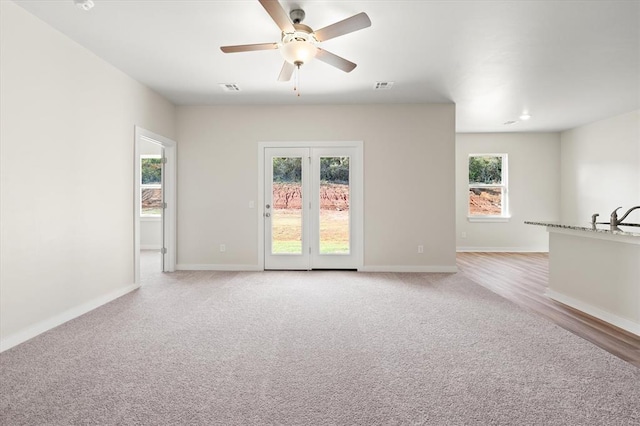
point(334, 205)
point(151, 186)
point(286, 212)
point(151, 200)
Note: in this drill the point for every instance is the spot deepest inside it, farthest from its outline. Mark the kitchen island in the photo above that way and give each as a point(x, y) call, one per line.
point(596, 271)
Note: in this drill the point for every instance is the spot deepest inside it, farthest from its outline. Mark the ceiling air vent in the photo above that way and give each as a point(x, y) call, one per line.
point(382, 85)
point(230, 87)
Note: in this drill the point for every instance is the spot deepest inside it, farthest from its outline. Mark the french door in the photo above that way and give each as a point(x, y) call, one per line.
point(312, 208)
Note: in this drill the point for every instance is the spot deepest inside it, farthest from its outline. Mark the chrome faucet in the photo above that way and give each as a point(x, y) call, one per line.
point(614, 218)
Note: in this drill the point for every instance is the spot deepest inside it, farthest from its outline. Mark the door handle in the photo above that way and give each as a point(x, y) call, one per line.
point(267, 215)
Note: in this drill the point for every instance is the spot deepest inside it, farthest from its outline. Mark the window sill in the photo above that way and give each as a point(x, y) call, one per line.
point(488, 218)
point(150, 218)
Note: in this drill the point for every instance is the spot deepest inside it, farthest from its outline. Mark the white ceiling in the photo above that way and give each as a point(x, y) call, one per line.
point(565, 62)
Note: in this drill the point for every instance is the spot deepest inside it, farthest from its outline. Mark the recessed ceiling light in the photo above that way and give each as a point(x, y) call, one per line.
point(525, 116)
point(229, 87)
point(84, 4)
point(383, 85)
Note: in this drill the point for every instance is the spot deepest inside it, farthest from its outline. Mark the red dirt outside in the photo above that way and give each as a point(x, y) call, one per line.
point(333, 196)
point(485, 202)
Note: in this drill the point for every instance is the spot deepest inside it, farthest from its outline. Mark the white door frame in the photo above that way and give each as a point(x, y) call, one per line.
point(358, 237)
point(169, 195)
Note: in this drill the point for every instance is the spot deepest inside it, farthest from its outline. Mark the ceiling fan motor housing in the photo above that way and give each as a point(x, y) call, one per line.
point(302, 33)
point(297, 15)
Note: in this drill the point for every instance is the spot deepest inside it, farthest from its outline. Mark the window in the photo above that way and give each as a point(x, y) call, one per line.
point(488, 187)
point(150, 185)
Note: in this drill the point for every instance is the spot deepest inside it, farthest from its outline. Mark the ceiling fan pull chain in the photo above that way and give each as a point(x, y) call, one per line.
point(295, 79)
point(296, 83)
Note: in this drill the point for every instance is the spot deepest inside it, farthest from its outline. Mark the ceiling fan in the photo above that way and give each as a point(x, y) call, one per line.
point(298, 44)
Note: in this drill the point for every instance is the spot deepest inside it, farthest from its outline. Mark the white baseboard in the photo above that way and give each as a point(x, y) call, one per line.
point(375, 268)
point(213, 267)
point(503, 249)
point(619, 322)
point(46, 325)
point(408, 268)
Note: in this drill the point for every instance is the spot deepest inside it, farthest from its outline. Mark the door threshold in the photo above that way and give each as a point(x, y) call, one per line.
point(335, 269)
point(314, 270)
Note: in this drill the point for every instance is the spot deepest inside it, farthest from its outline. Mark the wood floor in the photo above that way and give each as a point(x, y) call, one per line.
point(523, 277)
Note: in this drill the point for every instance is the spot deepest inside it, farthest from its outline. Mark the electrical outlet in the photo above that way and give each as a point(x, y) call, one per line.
point(420, 249)
point(463, 235)
point(223, 248)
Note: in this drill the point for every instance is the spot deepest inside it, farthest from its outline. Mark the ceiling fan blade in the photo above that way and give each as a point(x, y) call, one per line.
point(335, 60)
point(249, 47)
point(278, 14)
point(346, 26)
point(286, 72)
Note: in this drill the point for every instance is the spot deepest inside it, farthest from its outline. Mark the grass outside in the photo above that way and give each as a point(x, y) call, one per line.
point(151, 211)
point(334, 232)
point(287, 230)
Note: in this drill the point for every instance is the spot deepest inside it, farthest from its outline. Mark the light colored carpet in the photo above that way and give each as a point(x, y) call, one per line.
point(312, 348)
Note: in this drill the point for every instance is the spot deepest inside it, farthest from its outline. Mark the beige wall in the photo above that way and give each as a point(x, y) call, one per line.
point(601, 169)
point(66, 174)
point(408, 178)
point(534, 193)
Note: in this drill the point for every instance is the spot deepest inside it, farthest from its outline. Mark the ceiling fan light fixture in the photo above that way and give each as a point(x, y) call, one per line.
point(298, 52)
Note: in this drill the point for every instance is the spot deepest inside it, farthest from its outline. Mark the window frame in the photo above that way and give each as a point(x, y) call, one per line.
point(504, 215)
point(144, 186)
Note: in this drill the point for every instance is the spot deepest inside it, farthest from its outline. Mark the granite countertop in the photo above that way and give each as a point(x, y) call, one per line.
point(586, 227)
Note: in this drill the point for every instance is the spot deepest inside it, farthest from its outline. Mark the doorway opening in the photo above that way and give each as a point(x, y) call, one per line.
point(154, 204)
point(311, 205)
